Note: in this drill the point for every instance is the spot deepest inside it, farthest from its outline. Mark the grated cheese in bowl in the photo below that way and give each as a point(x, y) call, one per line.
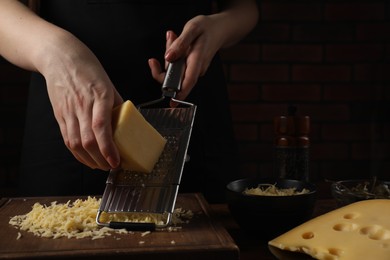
point(77, 219)
point(272, 190)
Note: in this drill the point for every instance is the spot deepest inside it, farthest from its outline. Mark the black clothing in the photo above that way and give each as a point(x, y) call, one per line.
point(124, 35)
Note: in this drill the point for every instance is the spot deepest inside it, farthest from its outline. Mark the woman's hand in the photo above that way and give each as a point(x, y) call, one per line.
point(82, 97)
point(81, 93)
point(202, 37)
point(198, 44)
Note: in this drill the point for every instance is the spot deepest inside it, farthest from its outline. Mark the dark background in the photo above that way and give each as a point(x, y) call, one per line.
point(328, 57)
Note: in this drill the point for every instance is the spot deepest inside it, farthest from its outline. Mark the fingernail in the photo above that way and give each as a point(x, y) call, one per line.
point(167, 35)
point(170, 55)
point(113, 162)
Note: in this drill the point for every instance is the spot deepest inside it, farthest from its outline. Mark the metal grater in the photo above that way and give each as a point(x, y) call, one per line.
point(155, 192)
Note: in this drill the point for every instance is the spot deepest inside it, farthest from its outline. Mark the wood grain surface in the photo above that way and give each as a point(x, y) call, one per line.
point(202, 238)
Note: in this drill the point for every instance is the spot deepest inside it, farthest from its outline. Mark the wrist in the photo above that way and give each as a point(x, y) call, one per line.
point(53, 46)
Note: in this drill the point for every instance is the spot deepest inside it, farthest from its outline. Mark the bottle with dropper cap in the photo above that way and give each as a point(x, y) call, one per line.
point(291, 158)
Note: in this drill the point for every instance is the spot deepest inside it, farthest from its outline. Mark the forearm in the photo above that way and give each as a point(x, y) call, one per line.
point(236, 21)
point(25, 37)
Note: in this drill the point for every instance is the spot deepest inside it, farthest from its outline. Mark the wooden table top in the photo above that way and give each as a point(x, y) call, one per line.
point(202, 238)
point(211, 234)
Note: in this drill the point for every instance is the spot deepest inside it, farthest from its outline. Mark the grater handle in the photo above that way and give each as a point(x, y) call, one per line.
point(133, 226)
point(173, 78)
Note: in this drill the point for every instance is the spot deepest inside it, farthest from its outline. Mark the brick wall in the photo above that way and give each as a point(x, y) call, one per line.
point(331, 59)
point(328, 57)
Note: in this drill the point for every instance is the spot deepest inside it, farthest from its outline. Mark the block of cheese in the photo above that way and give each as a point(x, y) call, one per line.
point(358, 231)
point(139, 143)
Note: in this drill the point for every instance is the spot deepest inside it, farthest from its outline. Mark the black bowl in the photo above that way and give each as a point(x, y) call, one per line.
point(350, 191)
point(270, 216)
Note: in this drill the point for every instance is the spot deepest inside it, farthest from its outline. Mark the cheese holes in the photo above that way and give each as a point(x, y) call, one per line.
point(335, 251)
point(375, 232)
point(308, 235)
point(351, 215)
point(346, 227)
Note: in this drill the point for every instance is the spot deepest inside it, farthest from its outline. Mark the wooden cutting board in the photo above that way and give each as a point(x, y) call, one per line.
point(201, 238)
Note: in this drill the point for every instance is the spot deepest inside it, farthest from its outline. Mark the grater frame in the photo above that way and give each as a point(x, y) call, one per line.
point(155, 192)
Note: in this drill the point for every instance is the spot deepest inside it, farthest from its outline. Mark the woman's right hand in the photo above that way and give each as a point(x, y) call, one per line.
point(81, 93)
point(82, 97)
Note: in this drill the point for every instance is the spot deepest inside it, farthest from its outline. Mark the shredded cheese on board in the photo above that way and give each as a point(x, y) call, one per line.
point(272, 190)
point(77, 219)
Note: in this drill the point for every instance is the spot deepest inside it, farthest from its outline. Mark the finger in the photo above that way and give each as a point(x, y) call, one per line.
point(156, 70)
point(82, 138)
point(170, 37)
point(181, 44)
point(107, 153)
point(191, 76)
point(90, 144)
point(73, 142)
point(64, 132)
point(80, 159)
point(95, 125)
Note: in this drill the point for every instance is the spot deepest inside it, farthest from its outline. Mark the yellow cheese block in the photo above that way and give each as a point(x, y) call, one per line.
point(139, 143)
point(359, 231)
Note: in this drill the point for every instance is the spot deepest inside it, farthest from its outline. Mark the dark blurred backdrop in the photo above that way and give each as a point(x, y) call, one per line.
point(328, 57)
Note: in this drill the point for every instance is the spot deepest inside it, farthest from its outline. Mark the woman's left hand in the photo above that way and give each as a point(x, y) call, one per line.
point(202, 37)
point(198, 44)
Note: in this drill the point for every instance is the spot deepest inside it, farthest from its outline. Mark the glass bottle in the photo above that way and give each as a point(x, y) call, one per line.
point(291, 155)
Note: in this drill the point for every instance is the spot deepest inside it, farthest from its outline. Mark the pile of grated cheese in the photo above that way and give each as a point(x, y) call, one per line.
point(77, 219)
point(272, 190)
point(179, 216)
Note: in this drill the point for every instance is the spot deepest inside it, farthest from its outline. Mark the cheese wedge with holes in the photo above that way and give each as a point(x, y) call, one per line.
point(359, 231)
point(139, 143)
